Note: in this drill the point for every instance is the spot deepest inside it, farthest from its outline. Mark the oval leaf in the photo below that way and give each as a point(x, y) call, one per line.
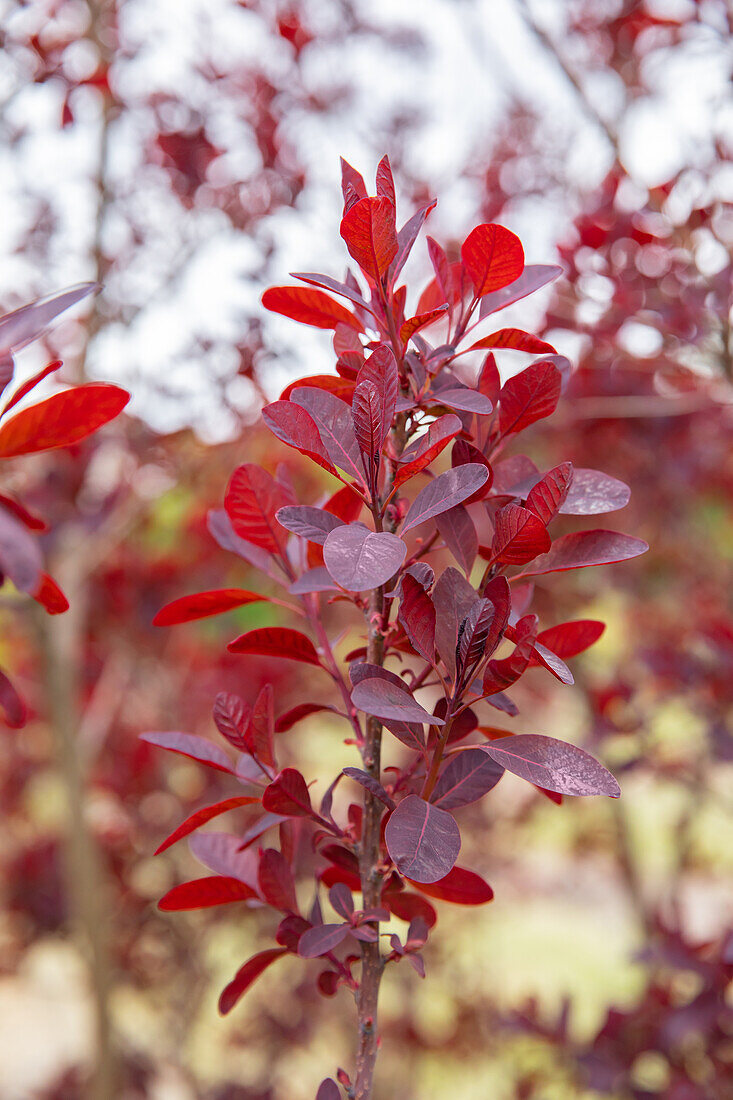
point(593, 493)
point(203, 604)
point(493, 257)
point(358, 558)
point(422, 840)
point(310, 307)
point(585, 548)
point(387, 700)
point(552, 764)
point(465, 779)
point(62, 419)
point(446, 491)
point(276, 641)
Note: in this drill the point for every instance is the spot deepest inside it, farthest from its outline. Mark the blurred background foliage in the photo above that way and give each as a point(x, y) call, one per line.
point(185, 155)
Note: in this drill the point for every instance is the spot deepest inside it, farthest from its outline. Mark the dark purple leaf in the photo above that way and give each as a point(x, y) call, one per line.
point(328, 1090)
point(366, 409)
point(453, 597)
point(358, 558)
point(288, 795)
point(552, 764)
point(20, 555)
point(371, 784)
point(465, 779)
point(422, 840)
point(380, 368)
point(194, 747)
point(321, 939)
point(231, 718)
point(519, 536)
point(341, 900)
point(445, 492)
point(386, 700)
point(220, 853)
point(458, 531)
point(334, 422)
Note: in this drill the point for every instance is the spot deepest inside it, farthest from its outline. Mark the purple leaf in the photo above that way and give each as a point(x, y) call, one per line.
point(406, 239)
point(341, 900)
point(321, 939)
point(409, 733)
point(386, 700)
point(583, 548)
point(288, 795)
point(294, 425)
point(220, 852)
point(422, 840)
point(194, 747)
point(553, 663)
point(381, 370)
point(317, 579)
point(552, 764)
point(453, 597)
point(327, 283)
point(30, 321)
point(532, 278)
point(458, 531)
point(371, 784)
point(366, 409)
point(463, 398)
point(592, 493)
point(20, 555)
point(328, 1090)
point(445, 492)
point(221, 530)
point(358, 558)
point(465, 779)
point(363, 670)
point(333, 420)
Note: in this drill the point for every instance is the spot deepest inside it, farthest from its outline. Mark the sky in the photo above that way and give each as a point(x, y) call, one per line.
point(477, 55)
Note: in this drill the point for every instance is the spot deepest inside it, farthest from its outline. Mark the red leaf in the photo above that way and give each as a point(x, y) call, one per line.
point(420, 321)
point(585, 548)
point(262, 727)
point(546, 497)
point(62, 419)
point(12, 704)
point(366, 409)
point(276, 641)
point(408, 906)
point(385, 181)
point(422, 841)
point(519, 536)
point(296, 714)
point(295, 426)
point(202, 893)
point(310, 307)
point(529, 396)
point(30, 384)
point(49, 595)
point(352, 181)
point(493, 257)
point(417, 616)
point(252, 499)
point(460, 886)
point(489, 382)
point(330, 383)
point(552, 764)
point(200, 817)
point(288, 795)
point(458, 531)
point(203, 604)
point(368, 228)
point(232, 718)
point(381, 370)
point(421, 454)
point(570, 639)
point(275, 881)
point(465, 779)
point(516, 339)
point(246, 975)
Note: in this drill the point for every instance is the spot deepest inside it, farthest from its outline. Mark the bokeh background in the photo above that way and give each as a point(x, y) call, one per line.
point(184, 153)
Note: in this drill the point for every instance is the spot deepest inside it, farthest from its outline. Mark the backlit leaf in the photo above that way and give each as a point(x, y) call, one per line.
point(276, 641)
point(368, 229)
point(203, 604)
point(61, 419)
point(493, 257)
point(310, 307)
